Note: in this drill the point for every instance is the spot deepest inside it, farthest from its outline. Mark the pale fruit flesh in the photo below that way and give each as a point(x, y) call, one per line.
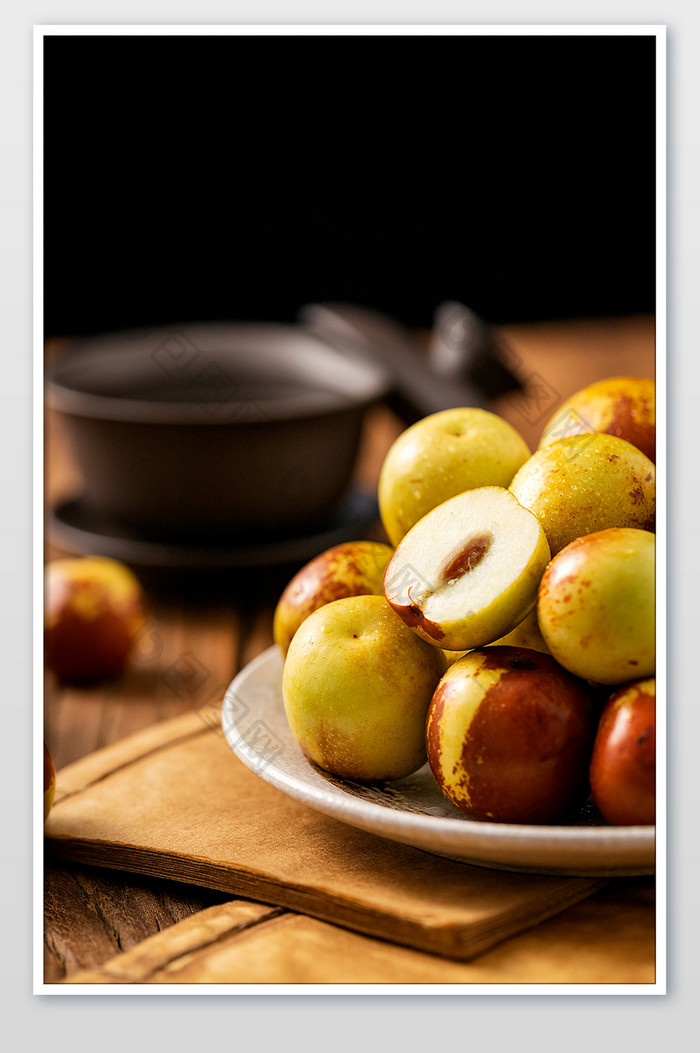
point(596, 606)
point(587, 483)
point(441, 456)
point(468, 572)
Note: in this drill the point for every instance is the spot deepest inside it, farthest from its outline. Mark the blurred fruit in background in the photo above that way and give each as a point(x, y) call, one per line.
point(93, 609)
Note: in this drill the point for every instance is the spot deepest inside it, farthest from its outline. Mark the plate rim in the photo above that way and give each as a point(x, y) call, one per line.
point(355, 811)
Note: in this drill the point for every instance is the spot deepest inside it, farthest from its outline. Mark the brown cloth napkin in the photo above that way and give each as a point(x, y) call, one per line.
point(174, 802)
point(605, 939)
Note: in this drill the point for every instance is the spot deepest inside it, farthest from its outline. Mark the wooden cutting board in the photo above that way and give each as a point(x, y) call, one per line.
point(174, 802)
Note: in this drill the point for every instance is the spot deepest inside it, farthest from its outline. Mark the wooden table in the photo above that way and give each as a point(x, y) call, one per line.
point(90, 914)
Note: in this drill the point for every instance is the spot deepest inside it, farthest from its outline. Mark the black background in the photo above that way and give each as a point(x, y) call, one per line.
point(225, 177)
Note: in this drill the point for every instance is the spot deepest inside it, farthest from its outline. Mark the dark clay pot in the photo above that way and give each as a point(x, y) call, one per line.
point(212, 430)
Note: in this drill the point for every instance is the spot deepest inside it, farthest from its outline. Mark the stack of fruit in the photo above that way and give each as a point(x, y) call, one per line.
point(507, 632)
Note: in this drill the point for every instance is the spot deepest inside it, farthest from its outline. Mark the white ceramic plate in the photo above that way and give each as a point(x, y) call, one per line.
point(412, 810)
